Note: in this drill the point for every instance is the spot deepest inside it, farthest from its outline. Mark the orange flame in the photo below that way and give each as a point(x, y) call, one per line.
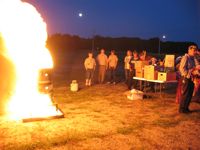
point(24, 33)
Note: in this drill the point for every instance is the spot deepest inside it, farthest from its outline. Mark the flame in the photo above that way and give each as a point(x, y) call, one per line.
point(24, 33)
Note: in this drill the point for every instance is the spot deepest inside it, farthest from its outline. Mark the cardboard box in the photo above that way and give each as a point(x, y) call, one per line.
point(150, 73)
point(169, 61)
point(166, 76)
point(139, 73)
point(140, 64)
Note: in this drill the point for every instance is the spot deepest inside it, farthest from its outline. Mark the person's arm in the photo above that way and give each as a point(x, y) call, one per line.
point(185, 72)
point(107, 61)
point(85, 64)
point(116, 62)
point(131, 64)
point(94, 64)
point(197, 64)
point(97, 59)
point(125, 59)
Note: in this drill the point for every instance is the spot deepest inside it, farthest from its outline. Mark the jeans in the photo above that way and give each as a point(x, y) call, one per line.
point(127, 72)
point(187, 87)
point(112, 77)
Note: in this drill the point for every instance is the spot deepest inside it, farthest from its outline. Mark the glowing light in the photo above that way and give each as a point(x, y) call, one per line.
point(24, 33)
point(80, 15)
point(163, 36)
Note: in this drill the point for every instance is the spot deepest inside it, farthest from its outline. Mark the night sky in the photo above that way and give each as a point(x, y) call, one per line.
point(179, 20)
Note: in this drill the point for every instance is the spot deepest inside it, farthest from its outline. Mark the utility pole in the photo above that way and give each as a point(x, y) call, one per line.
point(159, 43)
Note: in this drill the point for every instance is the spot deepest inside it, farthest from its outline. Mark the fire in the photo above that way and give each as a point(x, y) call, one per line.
point(24, 33)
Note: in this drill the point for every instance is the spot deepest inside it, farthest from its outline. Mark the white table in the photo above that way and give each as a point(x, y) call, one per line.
point(155, 81)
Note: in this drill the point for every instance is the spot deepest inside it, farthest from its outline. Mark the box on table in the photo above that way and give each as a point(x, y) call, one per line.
point(150, 73)
point(169, 61)
point(169, 69)
point(139, 73)
point(166, 76)
point(140, 64)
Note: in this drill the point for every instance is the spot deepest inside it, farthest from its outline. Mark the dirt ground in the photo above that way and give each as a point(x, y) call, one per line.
point(101, 117)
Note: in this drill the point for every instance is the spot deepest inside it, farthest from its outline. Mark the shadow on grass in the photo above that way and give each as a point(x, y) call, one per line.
point(133, 128)
point(166, 123)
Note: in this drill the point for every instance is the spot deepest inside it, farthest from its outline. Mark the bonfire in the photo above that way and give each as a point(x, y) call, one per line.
point(24, 33)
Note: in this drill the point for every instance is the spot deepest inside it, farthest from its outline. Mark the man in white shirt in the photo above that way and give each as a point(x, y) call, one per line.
point(90, 65)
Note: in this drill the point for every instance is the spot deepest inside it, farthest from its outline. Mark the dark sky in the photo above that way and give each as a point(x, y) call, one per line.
point(179, 20)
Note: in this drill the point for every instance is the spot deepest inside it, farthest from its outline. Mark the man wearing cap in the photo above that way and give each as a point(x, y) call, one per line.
point(189, 67)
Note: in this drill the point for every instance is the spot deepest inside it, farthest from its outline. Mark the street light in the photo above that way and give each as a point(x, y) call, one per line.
point(163, 37)
point(93, 38)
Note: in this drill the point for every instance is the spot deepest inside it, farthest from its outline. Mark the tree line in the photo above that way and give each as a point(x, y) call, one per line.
point(67, 42)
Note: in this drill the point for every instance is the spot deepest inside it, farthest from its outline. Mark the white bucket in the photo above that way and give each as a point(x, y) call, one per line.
point(74, 86)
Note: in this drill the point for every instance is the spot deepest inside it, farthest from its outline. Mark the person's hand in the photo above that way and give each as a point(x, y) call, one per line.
point(198, 67)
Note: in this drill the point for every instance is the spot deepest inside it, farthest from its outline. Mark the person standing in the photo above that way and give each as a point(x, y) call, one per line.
point(127, 64)
point(196, 93)
point(153, 61)
point(102, 60)
point(143, 55)
point(189, 66)
point(132, 83)
point(112, 64)
point(178, 78)
point(90, 65)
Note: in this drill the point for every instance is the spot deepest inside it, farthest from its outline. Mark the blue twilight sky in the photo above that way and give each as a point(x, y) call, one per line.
point(179, 20)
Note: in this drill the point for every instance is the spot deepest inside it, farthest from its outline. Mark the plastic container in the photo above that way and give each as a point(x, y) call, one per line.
point(74, 86)
point(135, 95)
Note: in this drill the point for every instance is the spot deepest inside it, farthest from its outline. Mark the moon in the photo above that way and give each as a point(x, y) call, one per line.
point(80, 14)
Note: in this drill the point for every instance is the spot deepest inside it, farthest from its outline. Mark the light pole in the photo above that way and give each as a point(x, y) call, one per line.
point(93, 38)
point(159, 43)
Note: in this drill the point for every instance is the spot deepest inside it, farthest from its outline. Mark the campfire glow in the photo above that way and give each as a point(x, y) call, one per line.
point(24, 33)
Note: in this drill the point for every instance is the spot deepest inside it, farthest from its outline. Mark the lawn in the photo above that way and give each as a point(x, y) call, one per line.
point(101, 117)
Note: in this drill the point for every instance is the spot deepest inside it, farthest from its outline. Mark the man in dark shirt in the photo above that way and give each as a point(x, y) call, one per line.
point(189, 66)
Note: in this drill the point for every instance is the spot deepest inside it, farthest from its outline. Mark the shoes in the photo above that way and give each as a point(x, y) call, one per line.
point(185, 111)
point(188, 111)
point(114, 83)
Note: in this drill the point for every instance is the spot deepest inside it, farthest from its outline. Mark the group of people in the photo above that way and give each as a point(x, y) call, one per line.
point(104, 63)
point(187, 68)
point(130, 69)
point(108, 64)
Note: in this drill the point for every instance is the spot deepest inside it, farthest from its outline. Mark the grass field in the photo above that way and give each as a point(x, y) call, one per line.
point(101, 117)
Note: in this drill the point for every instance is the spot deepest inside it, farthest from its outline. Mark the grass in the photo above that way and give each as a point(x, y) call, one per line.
point(101, 117)
point(102, 113)
point(130, 129)
point(166, 123)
